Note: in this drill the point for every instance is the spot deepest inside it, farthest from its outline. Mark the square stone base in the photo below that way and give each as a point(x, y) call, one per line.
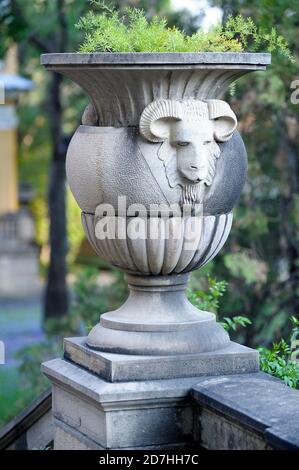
point(90, 413)
point(234, 359)
point(113, 401)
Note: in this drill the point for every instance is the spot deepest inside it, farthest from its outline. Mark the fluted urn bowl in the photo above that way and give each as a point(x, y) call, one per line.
point(157, 167)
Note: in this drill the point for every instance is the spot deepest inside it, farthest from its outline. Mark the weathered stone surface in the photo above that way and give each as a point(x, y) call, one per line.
point(234, 359)
point(219, 432)
point(41, 433)
point(127, 171)
point(121, 415)
point(240, 412)
point(67, 438)
point(160, 256)
point(164, 58)
point(174, 129)
point(257, 403)
point(157, 320)
point(32, 428)
point(156, 132)
point(123, 84)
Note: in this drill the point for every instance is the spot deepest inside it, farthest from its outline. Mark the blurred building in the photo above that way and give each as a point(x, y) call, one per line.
point(18, 253)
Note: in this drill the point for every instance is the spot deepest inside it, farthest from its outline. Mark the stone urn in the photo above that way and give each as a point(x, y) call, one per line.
point(156, 168)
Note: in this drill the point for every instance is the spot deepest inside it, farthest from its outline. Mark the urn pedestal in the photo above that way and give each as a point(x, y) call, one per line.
point(156, 167)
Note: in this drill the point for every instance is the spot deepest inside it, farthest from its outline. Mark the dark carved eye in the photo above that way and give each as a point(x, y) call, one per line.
point(206, 142)
point(182, 143)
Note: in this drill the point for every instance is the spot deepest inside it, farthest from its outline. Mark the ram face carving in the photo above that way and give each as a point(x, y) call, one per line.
point(189, 132)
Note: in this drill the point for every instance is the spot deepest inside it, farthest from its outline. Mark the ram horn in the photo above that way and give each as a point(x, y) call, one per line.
point(225, 119)
point(153, 123)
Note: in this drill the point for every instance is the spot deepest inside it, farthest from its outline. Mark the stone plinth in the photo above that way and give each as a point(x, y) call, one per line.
point(233, 359)
point(91, 413)
point(116, 401)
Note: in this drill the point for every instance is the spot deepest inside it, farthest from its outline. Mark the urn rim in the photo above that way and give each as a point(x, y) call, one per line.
point(243, 60)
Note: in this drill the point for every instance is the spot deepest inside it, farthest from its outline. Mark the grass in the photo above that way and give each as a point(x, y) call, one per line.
point(19, 325)
point(13, 397)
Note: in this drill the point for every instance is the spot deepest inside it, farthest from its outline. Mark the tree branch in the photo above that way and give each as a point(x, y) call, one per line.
point(40, 44)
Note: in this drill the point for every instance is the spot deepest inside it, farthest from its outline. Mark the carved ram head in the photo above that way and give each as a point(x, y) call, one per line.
point(189, 131)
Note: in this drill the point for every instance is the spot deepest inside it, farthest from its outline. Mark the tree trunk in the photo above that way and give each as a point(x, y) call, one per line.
point(56, 298)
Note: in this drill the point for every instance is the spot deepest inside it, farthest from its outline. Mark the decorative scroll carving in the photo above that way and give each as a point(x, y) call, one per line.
point(90, 117)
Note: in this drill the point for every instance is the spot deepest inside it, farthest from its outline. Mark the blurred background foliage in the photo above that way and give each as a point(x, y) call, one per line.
point(260, 261)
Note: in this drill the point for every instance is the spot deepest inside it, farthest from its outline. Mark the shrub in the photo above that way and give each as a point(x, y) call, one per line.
point(278, 361)
point(209, 300)
point(132, 31)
